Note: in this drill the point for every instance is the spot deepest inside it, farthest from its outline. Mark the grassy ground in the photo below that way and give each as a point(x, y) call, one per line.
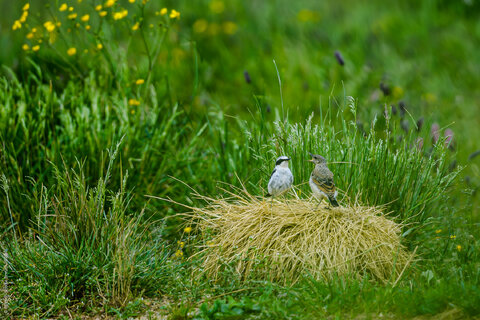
point(100, 110)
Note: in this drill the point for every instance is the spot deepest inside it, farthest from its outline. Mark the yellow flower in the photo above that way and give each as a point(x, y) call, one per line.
point(99, 46)
point(30, 35)
point(72, 16)
point(179, 253)
point(397, 92)
point(26, 7)
point(188, 229)
point(217, 6)
point(70, 9)
point(229, 27)
point(49, 25)
point(103, 13)
point(163, 11)
point(145, 1)
point(133, 102)
point(59, 24)
point(99, 7)
point(453, 237)
point(77, 24)
point(120, 14)
point(210, 243)
point(306, 15)
point(174, 14)
point(85, 18)
point(181, 244)
point(36, 48)
point(136, 26)
point(34, 30)
point(25, 47)
point(438, 231)
point(200, 26)
point(178, 54)
point(109, 3)
point(71, 51)
point(87, 27)
point(132, 111)
point(139, 82)
point(459, 248)
point(131, 1)
point(429, 97)
point(24, 16)
point(16, 25)
point(63, 7)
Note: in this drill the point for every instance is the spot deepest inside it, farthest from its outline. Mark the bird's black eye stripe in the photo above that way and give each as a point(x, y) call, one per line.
point(279, 161)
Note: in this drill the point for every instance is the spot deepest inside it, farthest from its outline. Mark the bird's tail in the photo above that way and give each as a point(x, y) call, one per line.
point(333, 201)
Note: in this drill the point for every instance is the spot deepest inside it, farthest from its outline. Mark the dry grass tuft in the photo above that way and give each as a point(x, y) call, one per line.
point(281, 240)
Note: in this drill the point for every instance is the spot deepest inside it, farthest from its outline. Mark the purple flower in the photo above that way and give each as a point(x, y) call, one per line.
point(394, 110)
point(403, 109)
point(339, 58)
point(385, 88)
point(449, 138)
point(435, 132)
point(247, 77)
point(473, 155)
point(420, 124)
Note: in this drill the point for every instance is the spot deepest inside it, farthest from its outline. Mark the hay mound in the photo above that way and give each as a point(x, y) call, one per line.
point(282, 240)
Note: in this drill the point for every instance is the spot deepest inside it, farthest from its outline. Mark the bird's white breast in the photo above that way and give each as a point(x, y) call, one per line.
point(280, 181)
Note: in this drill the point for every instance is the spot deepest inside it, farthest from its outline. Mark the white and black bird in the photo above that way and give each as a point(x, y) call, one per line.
point(321, 181)
point(281, 179)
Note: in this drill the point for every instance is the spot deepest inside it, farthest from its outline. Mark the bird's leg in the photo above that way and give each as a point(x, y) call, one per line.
point(318, 204)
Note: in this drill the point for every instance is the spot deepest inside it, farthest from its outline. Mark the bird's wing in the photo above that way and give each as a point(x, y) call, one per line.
point(325, 184)
point(274, 170)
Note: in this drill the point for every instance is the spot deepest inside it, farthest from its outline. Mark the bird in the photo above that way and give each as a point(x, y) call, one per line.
point(281, 179)
point(321, 181)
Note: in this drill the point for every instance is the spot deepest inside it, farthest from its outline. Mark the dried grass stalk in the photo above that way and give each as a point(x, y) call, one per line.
point(283, 240)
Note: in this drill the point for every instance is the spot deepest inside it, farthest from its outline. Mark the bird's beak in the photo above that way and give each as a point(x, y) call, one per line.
point(311, 160)
point(289, 159)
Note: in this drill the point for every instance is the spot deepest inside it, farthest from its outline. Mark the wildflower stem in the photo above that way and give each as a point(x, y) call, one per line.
point(280, 87)
point(147, 49)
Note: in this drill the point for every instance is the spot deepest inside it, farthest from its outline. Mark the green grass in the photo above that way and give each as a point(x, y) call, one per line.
point(82, 146)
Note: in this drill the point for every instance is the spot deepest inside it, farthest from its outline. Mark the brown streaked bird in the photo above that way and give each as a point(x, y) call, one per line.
point(321, 181)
